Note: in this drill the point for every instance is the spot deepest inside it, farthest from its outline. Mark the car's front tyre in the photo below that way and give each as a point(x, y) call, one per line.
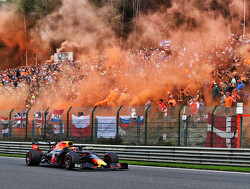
point(71, 159)
point(111, 157)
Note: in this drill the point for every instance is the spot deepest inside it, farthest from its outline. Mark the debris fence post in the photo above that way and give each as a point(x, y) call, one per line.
point(212, 127)
point(68, 121)
point(179, 126)
point(117, 121)
point(33, 131)
point(45, 122)
point(10, 125)
point(146, 124)
point(61, 129)
point(10, 130)
point(92, 124)
point(27, 123)
point(96, 125)
point(186, 125)
point(240, 134)
point(138, 130)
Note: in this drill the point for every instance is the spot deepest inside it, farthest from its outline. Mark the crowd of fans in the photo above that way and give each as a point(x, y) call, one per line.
point(36, 78)
point(227, 86)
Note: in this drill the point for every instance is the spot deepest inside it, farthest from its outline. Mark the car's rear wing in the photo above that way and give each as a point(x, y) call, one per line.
point(35, 145)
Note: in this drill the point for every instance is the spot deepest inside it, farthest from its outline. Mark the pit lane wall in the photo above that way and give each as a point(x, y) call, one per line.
point(187, 155)
point(177, 128)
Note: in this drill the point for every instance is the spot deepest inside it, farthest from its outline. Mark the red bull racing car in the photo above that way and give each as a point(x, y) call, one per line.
point(66, 154)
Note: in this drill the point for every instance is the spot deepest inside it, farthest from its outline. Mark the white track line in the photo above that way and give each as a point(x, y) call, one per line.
point(184, 169)
point(12, 157)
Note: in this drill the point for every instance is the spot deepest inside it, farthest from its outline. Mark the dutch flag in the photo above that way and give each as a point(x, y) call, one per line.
point(56, 115)
point(5, 130)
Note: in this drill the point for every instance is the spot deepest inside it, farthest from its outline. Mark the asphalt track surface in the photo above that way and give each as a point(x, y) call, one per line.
point(15, 174)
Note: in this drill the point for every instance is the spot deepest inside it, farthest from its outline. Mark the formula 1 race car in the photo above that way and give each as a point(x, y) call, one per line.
point(65, 154)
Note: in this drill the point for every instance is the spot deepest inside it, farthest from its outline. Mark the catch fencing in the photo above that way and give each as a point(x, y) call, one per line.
point(178, 128)
point(163, 154)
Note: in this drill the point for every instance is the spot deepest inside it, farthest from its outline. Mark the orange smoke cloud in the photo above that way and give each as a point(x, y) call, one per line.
point(109, 101)
point(108, 73)
point(13, 98)
point(12, 36)
point(78, 24)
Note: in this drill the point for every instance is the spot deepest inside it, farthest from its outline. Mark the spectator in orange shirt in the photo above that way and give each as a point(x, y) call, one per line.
point(228, 102)
point(172, 103)
point(194, 110)
point(172, 100)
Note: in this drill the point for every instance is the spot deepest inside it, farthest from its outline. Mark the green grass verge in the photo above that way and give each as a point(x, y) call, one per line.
point(190, 166)
point(175, 165)
point(12, 155)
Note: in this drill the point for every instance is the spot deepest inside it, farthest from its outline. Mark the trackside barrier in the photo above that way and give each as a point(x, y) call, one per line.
point(187, 155)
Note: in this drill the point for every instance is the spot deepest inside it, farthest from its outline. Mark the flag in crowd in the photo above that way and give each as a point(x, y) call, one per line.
point(40, 118)
point(224, 131)
point(80, 126)
point(56, 115)
point(125, 121)
point(19, 120)
point(141, 122)
point(55, 118)
point(5, 130)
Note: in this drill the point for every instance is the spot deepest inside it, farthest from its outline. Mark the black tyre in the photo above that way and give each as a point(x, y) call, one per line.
point(111, 157)
point(71, 159)
point(33, 158)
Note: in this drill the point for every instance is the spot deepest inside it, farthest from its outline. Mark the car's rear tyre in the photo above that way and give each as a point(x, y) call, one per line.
point(111, 157)
point(33, 158)
point(71, 159)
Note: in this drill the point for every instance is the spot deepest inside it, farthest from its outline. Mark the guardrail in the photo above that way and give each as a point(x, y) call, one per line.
point(187, 155)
